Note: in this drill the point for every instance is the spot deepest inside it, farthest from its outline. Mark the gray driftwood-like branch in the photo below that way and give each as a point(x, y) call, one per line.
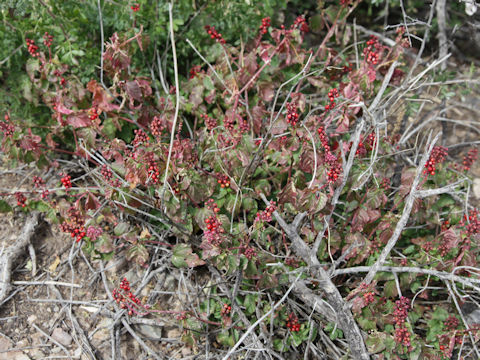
point(8, 255)
point(405, 215)
point(334, 298)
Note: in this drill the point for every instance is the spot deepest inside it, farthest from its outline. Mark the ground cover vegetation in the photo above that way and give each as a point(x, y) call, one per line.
point(286, 158)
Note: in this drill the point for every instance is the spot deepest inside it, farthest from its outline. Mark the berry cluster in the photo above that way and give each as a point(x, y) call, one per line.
point(74, 225)
point(292, 322)
point(211, 205)
point(243, 126)
point(6, 128)
point(369, 297)
point(332, 94)
point(385, 183)
point(92, 113)
point(249, 252)
point(38, 181)
point(210, 123)
point(402, 335)
point(214, 231)
point(335, 169)
point(445, 225)
point(292, 115)
point(214, 34)
point(226, 309)
point(223, 180)
point(153, 172)
point(47, 39)
point(157, 126)
point(266, 215)
point(436, 157)
point(471, 223)
point(373, 50)
point(401, 310)
point(63, 82)
point(135, 7)
point(451, 323)
point(140, 138)
point(194, 71)
point(21, 199)
point(124, 296)
point(66, 181)
point(106, 173)
point(94, 232)
point(470, 158)
point(265, 25)
point(32, 48)
point(301, 24)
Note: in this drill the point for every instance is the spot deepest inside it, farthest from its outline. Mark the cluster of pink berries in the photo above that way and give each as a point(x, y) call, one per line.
point(471, 222)
point(94, 232)
point(47, 39)
point(140, 138)
point(214, 232)
point(153, 172)
point(470, 158)
point(292, 114)
point(292, 322)
point(124, 296)
point(369, 297)
point(214, 35)
point(32, 48)
point(332, 94)
point(335, 168)
point(451, 323)
point(265, 25)
point(402, 335)
point(266, 215)
point(135, 7)
point(436, 157)
point(6, 128)
point(373, 50)
point(210, 123)
point(157, 126)
point(249, 252)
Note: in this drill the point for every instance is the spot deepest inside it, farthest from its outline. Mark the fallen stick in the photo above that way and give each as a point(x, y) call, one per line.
point(9, 255)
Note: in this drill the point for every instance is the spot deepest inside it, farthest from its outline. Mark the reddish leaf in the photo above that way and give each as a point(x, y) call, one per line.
point(78, 120)
point(266, 90)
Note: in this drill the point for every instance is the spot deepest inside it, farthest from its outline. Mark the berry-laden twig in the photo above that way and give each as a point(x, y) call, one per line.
point(292, 322)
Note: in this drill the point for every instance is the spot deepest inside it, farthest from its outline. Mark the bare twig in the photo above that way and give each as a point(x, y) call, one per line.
point(335, 300)
point(9, 255)
point(255, 324)
point(177, 101)
point(405, 215)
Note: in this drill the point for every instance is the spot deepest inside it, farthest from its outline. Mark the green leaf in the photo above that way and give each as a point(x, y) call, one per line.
point(183, 256)
point(376, 342)
point(208, 83)
point(4, 206)
point(409, 250)
point(121, 228)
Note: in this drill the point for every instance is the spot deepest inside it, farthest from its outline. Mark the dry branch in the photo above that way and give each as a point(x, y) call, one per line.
point(344, 315)
point(9, 255)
